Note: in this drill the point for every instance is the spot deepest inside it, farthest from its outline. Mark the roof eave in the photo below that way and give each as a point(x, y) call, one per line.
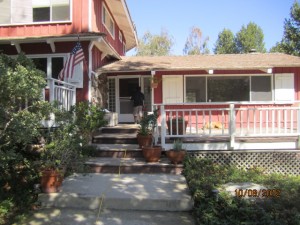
point(122, 16)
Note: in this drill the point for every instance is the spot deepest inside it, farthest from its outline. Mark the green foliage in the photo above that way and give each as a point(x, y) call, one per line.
point(204, 176)
point(177, 145)
point(195, 44)
point(290, 43)
point(21, 115)
point(155, 45)
point(250, 37)
point(148, 123)
point(88, 118)
point(225, 43)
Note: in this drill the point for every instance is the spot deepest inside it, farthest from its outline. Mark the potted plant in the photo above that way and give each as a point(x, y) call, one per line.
point(177, 153)
point(154, 81)
point(172, 125)
point(144, 135)
point(150, 152)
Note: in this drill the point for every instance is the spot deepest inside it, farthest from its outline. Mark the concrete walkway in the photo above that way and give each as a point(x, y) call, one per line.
point(111, 199)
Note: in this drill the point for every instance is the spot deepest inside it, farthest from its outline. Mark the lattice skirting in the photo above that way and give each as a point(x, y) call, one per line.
point(284, 162)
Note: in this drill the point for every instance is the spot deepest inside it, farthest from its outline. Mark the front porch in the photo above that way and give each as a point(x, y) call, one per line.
point(228, 126)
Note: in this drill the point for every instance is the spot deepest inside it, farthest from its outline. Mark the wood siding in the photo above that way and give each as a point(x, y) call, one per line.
point(158, 96)
point(97, 26)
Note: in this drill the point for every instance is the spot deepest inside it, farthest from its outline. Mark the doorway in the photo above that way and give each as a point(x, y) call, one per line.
point(126, 88)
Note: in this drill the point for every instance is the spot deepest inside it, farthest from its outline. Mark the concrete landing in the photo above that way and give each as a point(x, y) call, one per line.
point(157, 192)
point(108, 217)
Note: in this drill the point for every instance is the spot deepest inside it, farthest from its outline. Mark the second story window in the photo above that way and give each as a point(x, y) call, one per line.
point(31, 11)
point(108, 21)
point(50, 10)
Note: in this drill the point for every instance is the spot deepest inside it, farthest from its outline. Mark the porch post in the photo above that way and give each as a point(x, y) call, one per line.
point(298, 125)
point(231, 125)
point(163, 126)
point(51, 90)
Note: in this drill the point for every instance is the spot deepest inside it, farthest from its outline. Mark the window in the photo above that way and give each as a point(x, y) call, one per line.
point(225, 89)
point(51, 10)
point(52, 65)
point(228, 88)
point(195, 89)
point(55, 65)
point(108, 21)
point(28, 11)
point(120, 37)
point(261, 89)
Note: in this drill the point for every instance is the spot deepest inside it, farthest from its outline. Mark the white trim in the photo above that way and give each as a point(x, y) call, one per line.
point(212, 147)
point(90, 66)
point(90, 28)
point(102, 20)
point(120, 36)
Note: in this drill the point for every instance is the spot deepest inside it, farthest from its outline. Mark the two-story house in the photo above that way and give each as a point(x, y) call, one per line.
point(48, 30)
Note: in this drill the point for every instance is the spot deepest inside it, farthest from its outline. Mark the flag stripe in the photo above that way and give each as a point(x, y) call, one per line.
point(75, 57)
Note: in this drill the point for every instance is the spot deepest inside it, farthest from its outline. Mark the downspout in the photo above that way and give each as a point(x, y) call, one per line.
point(91, 45)
point(90, 15)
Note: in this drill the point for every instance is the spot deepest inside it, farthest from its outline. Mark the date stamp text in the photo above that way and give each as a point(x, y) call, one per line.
point(258, 193)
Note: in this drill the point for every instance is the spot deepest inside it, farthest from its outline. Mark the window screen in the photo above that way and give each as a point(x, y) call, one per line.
point(261, 88)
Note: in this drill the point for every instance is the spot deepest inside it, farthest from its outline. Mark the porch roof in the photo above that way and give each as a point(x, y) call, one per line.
point(252, 61)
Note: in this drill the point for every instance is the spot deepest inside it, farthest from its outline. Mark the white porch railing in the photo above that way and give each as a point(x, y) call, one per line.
point(184, 121)
point(62, 92)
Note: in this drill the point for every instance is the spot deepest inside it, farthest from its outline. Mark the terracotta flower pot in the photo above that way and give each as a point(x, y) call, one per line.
point(144, 140)
point(151, 153)
point(176, 156)
point(51, 180)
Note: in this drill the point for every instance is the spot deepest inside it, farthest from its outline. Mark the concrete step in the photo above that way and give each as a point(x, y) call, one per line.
point(115, 138)
point(145, 192)
point(119, 130)
point(60, 216)
point(132, 165)
point(118, 150)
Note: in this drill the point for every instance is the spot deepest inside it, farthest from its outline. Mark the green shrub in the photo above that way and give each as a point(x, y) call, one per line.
point(203, 176)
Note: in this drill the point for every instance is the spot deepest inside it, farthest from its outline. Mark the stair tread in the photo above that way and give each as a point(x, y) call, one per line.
point(115, 135)
point(105, 161)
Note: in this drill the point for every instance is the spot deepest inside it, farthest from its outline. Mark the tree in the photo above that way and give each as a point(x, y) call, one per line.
point(279, 47)
point(157, 45)
point(225, 43)
point(290, 43)
point(195, 44)
point(249, 38)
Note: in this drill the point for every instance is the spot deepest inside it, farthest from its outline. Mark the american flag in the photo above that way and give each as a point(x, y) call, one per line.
point(75, 57)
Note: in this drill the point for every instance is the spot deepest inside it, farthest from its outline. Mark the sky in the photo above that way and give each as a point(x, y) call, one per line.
point(211, 16)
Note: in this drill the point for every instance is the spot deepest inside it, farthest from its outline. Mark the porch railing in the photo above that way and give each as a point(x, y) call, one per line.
point(227, 120)
point(62, 92)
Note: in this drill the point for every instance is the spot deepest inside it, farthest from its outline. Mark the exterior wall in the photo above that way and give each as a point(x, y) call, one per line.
point(202, 117)
point(97, 26)
point(79, 24)
point(158, 94)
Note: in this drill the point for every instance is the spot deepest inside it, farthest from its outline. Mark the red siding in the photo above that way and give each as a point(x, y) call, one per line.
point(158, 91)
point(99, 27)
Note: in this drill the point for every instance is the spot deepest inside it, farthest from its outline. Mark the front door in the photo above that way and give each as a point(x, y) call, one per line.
point(127, 86)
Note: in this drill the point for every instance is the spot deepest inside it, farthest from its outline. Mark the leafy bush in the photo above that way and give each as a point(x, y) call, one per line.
point(21, 112)
point(204, 176)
